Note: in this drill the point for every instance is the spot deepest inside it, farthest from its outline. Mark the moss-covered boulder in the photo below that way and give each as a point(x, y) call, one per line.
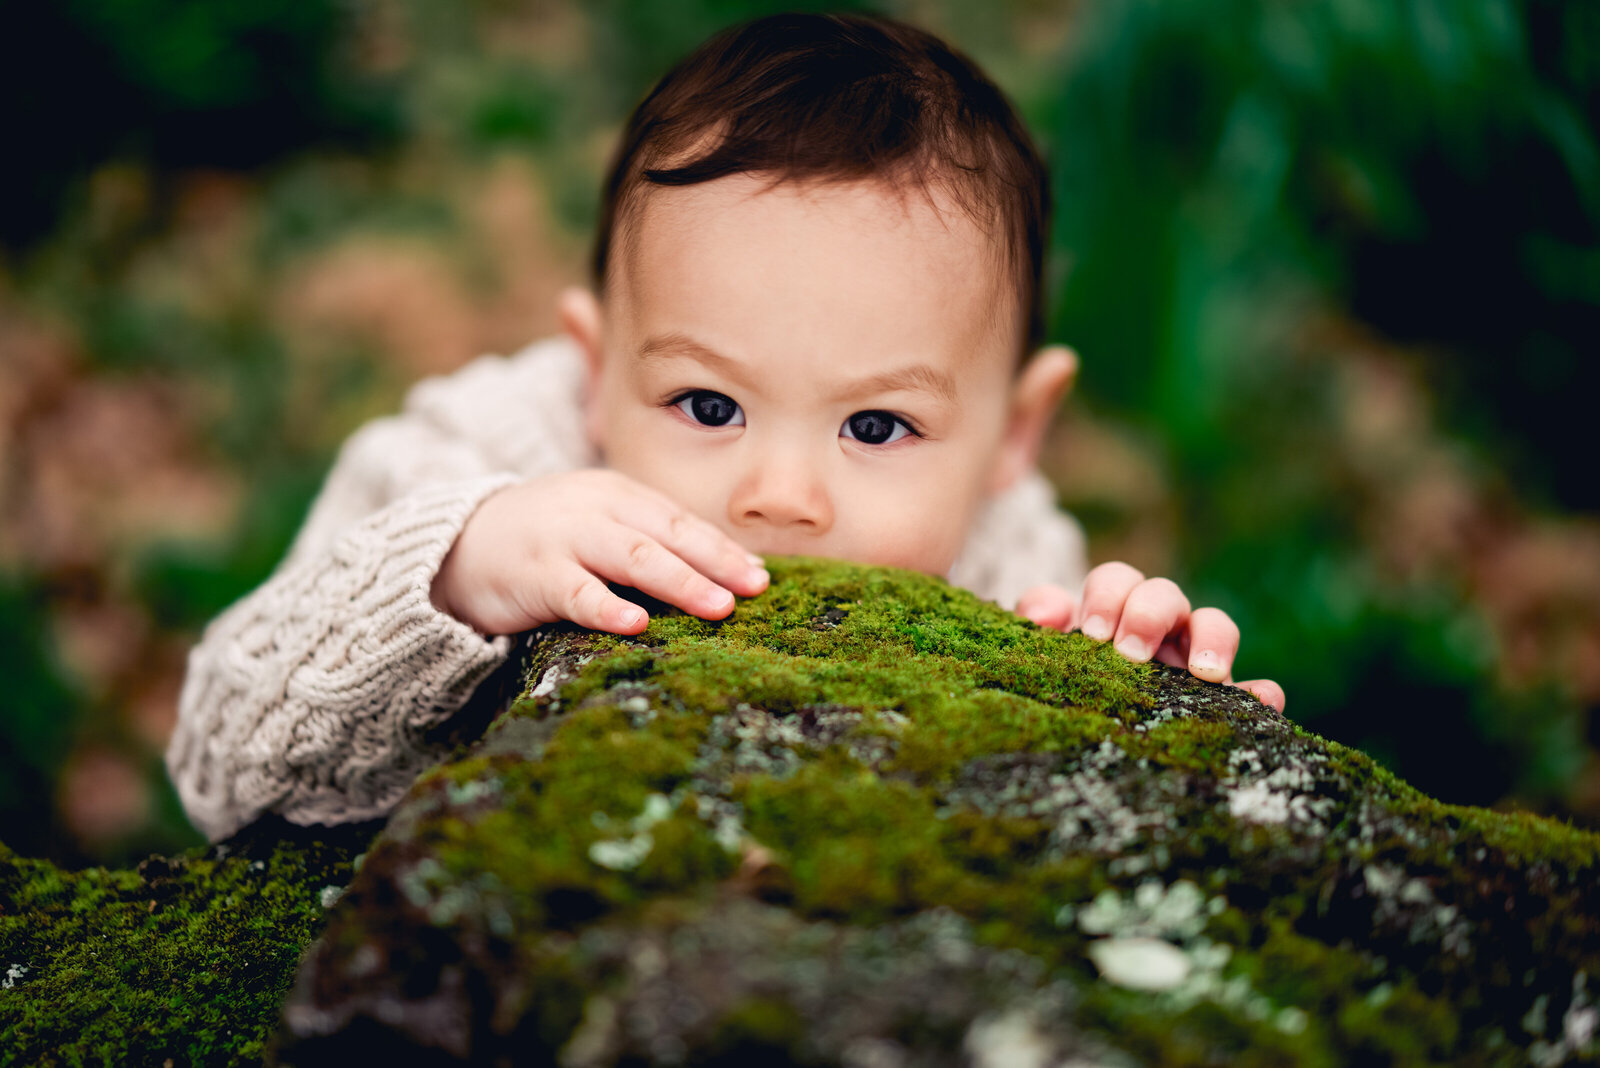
point(869, 820)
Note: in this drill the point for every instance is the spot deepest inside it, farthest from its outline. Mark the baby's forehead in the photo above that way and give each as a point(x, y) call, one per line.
point(848, 246)
point(930, 213)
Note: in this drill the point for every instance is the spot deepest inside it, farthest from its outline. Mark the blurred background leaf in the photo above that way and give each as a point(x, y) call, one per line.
point(1334, 271)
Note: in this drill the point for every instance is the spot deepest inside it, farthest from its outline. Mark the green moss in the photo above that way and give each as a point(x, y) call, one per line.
point(756, 1030)
point(187, 958)
point(863, 636)
point(868, 808)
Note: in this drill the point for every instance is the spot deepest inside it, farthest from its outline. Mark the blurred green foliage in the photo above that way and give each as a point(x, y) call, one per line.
point(1431, 168)
point(36, 728)
point(177, 83)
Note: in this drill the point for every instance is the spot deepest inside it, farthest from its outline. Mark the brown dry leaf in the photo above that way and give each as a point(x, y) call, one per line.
point(100, 642)
point(102, 796)
point(37, 364)
point(415, 303)
point(531, 264)
point(111, 465)
point(1541, 586)
point(402, 298)
point(151, 707)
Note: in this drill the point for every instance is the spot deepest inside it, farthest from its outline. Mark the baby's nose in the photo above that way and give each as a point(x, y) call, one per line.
point(782, 491)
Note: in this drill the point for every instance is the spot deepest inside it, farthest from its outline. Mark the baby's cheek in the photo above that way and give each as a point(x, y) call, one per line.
point(916, 521)
point(645, 466)
point(928, 544)
point(692, 491)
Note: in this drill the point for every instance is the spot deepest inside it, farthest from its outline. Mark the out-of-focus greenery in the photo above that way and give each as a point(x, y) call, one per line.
point(1230, 176)
point(173, 82)
point(35, 730)
point(1433, 167)
point(1333, 270)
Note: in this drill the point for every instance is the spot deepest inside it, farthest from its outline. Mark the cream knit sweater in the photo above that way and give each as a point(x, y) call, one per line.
point(322, 694)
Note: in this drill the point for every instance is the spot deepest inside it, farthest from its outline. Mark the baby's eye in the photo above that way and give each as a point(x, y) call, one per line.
point(710, 409)
point(875, 428)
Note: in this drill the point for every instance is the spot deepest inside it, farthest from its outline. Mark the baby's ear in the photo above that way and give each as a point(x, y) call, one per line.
point(1034, 397)
point(582, 321)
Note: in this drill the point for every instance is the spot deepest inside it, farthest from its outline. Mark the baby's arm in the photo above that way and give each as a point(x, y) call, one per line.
point(1148, 618)
point(314, 695)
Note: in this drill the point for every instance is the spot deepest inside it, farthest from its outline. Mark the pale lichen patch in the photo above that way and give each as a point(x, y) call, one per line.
point(629, 851)
point(1285, 793)
point(1140, 963)
point(1154, 910)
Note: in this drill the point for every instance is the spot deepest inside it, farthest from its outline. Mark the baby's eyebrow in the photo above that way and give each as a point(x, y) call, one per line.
point(918, 377)
point(683, 345)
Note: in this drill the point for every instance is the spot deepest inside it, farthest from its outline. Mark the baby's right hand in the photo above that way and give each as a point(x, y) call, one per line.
point(544, 550)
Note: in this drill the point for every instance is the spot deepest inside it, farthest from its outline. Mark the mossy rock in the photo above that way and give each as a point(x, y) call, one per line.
point(867, 820)
point(183, 961)
point(871, 820)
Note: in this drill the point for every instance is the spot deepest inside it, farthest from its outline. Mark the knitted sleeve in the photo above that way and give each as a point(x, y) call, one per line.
point(323, 693)
point(315, 695)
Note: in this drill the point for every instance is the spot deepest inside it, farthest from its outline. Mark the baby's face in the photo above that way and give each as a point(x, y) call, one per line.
point(822, 370)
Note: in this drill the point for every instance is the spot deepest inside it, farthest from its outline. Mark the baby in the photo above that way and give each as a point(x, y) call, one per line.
point(814, 330)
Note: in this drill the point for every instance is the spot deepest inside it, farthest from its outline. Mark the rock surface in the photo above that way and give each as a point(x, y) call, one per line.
point(868, 821)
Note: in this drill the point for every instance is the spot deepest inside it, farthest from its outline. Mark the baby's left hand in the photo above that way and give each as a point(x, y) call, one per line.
point(1148, 617)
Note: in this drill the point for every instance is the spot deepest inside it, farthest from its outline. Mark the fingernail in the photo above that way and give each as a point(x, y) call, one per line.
point(633, 617)
point(757, 576)
point(721, 601)
point(1206, 662)
point(755, 561)
point(1097, 628)
point(1133, 648)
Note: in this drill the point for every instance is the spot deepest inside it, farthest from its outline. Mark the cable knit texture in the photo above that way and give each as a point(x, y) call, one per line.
point(320, 695)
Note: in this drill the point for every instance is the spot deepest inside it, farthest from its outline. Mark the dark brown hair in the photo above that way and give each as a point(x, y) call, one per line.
point(839, 97)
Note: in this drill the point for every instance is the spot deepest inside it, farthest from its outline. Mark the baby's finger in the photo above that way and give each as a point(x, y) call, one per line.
point(1266, 691)
point(1104, 591)
point(1154, 609)
point(585, 601)
point(700, 544)
point(1174, 652)
point(630, 558)
point(1048, 606)
point(1213, 643)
